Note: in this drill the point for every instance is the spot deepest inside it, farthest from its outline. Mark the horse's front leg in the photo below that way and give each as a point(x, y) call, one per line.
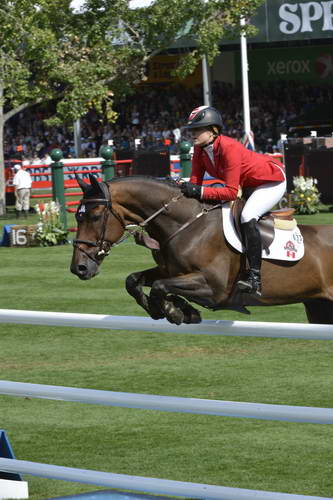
point(134, 286)
point(192, 286)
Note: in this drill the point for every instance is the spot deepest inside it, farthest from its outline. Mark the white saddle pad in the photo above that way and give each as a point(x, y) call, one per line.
point(287, 245)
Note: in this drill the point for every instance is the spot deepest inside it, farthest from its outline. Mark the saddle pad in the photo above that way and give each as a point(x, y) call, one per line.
point(287, 245)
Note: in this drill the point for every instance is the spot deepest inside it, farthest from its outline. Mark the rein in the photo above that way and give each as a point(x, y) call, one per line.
point(104, 245)
point(158, 212)
point(204, 211)
point(184, 226)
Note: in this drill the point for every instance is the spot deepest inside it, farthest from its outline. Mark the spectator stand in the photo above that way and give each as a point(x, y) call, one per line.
point(43, 182)
point(59, 176)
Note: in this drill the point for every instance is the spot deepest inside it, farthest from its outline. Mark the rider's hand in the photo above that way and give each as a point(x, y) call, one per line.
point(191, 190)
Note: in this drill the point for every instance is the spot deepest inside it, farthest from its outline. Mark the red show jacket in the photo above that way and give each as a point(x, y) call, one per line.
point(235, 166)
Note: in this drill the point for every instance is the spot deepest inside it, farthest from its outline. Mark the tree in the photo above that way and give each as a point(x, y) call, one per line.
point(82, 59)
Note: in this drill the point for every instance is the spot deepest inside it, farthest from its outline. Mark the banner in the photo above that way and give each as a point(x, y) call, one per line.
point(160, 68)
point(312, 64)
point(281, 20)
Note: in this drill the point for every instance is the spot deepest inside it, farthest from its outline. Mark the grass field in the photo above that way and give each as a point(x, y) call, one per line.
point(244, 453)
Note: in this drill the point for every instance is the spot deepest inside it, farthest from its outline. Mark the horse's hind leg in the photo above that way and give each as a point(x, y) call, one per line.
point(319, 311)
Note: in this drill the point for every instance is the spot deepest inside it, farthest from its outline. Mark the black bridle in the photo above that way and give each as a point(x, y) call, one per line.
point(103, 244)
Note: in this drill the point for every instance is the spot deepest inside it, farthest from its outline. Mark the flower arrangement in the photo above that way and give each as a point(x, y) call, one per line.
point(50, 230)
point(305, 195)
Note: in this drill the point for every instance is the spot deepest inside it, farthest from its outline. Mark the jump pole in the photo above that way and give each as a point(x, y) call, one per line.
point(144, 484)
point(138, 323)
point(236, 409)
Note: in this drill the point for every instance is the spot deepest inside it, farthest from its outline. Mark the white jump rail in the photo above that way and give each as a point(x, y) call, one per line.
point(259, 411)
point(138, 323)
point(144, 484)
point(162, 403)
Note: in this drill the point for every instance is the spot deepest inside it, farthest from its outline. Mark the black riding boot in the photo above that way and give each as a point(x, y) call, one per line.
point(252, 283)
point(18, 213)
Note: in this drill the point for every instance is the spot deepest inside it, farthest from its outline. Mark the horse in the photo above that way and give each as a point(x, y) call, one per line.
point(194, 261)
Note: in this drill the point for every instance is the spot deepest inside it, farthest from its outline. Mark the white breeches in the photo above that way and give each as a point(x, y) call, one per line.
point(262, 200)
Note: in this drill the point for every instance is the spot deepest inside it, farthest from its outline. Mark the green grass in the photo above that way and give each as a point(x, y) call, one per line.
point(244, 453)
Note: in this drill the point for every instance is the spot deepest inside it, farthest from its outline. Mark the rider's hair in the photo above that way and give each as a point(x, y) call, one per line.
point(216, 131)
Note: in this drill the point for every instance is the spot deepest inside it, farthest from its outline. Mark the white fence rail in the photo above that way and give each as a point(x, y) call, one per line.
point(162, 403)
point(259, 411)
point(137, 483)
point(138, 323)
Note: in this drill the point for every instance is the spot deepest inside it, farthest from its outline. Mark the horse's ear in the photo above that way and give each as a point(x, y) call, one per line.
point(83, 185)
point(95, 184)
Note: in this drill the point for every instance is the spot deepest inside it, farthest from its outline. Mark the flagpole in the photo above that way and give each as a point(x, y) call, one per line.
point(245, 82)
point(207, 95)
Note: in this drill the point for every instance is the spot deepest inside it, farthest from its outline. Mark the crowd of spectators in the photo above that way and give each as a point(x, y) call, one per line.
point(156, 116)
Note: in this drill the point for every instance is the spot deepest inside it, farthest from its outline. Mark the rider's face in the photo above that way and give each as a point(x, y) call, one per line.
point(202, 136)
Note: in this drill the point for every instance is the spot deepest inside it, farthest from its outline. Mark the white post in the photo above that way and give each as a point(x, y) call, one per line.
point(77, 138)
point(245, 82)
point(207, 96)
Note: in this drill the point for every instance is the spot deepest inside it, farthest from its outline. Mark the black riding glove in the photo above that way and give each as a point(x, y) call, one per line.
point(191, 190)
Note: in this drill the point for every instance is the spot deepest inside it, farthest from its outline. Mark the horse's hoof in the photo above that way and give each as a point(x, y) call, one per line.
point(156, 315)
point(155, 312)
point(173, 314)
point(193, 317)
point(174, 320)
point(190, 314)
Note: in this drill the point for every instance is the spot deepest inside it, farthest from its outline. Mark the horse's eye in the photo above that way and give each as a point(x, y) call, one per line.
point(79, 216)
point(95, 218)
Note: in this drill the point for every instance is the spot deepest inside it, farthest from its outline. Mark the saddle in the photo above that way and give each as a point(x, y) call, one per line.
point(280, 219)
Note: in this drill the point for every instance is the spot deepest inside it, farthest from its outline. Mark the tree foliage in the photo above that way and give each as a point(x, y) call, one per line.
point(47, 51)
point(83, 59)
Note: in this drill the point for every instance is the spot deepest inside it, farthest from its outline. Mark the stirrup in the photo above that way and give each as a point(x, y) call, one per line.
point(251, 284)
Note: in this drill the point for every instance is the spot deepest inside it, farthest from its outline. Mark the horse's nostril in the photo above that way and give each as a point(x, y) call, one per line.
point(82, 269)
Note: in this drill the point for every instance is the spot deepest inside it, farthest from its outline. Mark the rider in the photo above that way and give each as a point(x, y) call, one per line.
point(236, 166)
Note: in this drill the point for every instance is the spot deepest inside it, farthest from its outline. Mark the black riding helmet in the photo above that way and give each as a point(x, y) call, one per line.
point(204, 116)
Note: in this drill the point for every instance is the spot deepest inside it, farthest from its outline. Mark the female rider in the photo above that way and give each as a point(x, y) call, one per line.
point(236, 166)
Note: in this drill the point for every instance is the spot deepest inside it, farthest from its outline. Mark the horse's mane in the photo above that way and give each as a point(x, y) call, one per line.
point(166, 181)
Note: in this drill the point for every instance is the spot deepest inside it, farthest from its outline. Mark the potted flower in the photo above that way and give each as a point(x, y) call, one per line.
point(50, 230)
point(305, 195)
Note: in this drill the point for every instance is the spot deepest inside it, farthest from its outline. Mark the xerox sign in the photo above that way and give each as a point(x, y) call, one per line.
point(288, 67)
point(313, 64)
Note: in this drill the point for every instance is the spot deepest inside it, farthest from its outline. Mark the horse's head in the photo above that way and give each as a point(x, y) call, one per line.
point(99, 227)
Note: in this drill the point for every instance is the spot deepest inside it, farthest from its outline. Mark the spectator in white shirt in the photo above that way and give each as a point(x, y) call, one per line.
point(22, 184)
point(176, 133)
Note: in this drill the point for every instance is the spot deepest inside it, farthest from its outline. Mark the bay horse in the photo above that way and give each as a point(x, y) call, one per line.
point(194, 262)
